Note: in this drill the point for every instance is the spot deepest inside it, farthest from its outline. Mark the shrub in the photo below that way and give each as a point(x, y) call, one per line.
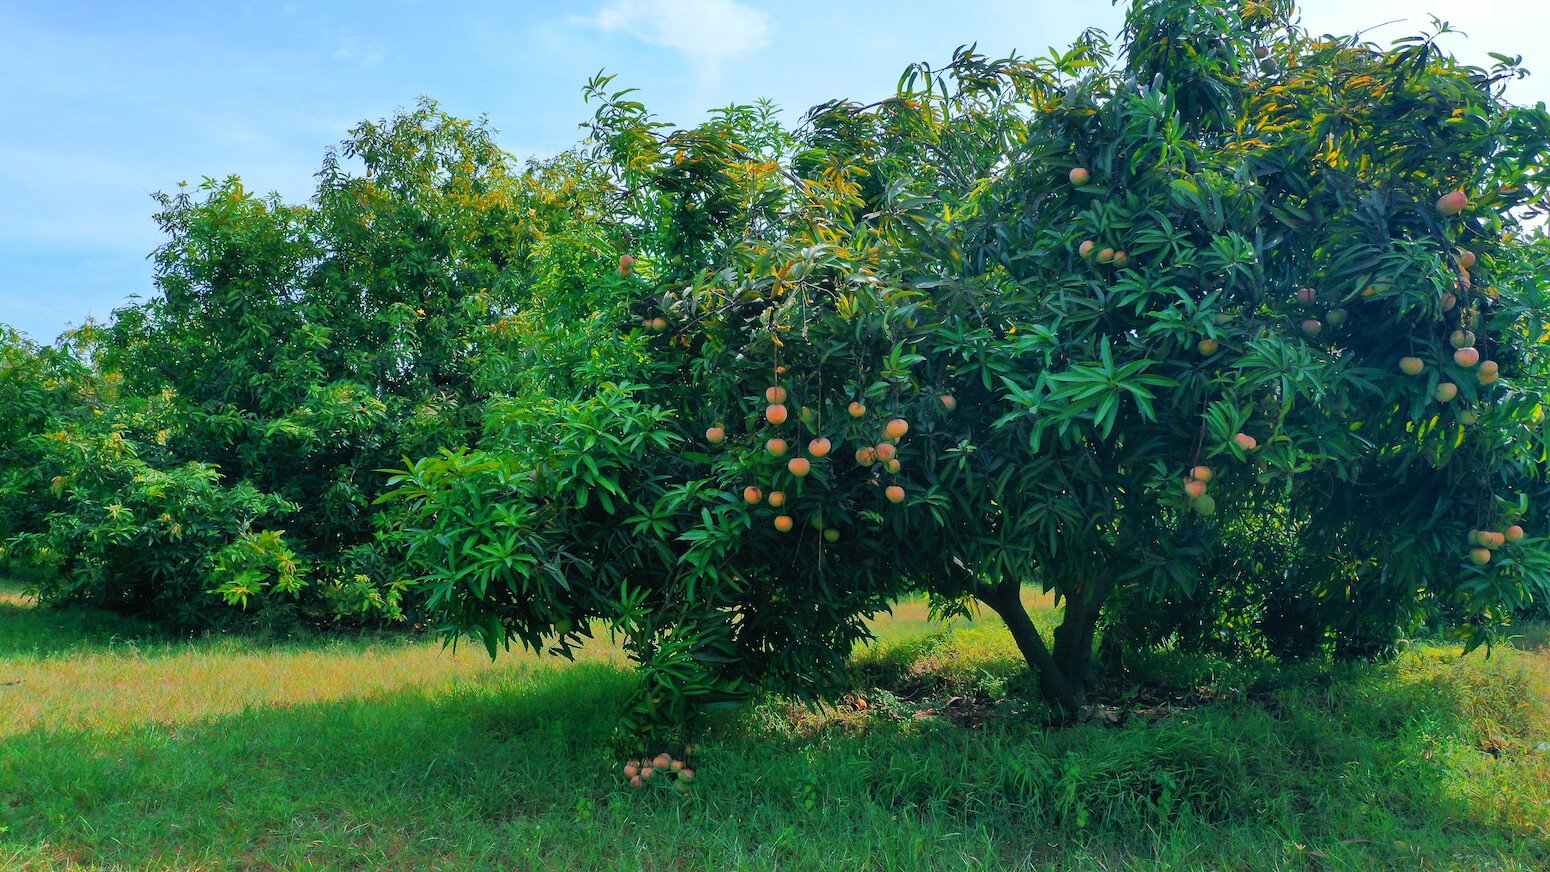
point(169, 544)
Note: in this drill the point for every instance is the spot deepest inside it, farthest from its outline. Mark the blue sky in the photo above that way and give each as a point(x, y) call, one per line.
point(107, 102)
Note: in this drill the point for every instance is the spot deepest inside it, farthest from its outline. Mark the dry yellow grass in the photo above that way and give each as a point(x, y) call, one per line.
point(12, 596)
point(125, 684)
point(126, 687)
point(128, 683)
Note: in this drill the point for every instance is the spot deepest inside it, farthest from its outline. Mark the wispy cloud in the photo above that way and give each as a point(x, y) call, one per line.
point(708, 33)
point(361, 52)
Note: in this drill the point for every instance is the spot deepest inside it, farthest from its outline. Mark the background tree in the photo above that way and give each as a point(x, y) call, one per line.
point(38, 385)
point(291, 352)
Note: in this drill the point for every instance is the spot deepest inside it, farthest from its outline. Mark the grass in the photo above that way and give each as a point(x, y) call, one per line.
point(119, 750)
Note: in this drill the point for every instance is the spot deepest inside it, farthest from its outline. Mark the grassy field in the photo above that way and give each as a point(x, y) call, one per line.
point(122, 751)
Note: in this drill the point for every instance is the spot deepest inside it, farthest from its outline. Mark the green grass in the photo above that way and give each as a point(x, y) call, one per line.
point(120, 750)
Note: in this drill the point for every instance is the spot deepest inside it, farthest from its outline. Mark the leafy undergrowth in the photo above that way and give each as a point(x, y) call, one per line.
point(119, 751)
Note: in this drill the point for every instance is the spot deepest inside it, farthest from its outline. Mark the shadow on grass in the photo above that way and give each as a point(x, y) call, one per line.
point(1381, 768)
point(362, 783)
point(1532, 636)
point(29, 630)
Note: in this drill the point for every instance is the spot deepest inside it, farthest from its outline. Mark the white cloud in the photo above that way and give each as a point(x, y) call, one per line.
point(363, 53)
point(707, 33)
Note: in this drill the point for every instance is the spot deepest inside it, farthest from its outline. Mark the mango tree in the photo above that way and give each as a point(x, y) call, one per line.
point(1118, 322)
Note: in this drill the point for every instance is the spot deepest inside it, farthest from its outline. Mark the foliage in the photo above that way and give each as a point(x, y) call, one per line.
point(37, 385)
point(123, 534)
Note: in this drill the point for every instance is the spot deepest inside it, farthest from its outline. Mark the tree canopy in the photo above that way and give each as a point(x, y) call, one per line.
point(1134, 322)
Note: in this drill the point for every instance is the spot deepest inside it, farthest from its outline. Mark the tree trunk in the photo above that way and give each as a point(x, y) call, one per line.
point(1055, 683)
point(1074, 637)
point(1063, 673)
point(1111, 652)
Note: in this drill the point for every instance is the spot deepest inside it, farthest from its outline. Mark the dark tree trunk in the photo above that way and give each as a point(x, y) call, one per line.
point(1074, 637)
point(1111, 652)
point(1055, 684)
point(1062, 672)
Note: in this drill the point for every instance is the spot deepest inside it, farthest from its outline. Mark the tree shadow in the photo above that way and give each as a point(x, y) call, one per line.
point(27, 629)
point(1532, 636)
point(355, 783)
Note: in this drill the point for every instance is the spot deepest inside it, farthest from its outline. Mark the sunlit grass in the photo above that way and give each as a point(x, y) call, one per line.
point(123, 750)
point(86, 669)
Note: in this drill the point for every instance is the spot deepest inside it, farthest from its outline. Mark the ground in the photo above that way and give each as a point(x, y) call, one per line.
point(119, 750)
